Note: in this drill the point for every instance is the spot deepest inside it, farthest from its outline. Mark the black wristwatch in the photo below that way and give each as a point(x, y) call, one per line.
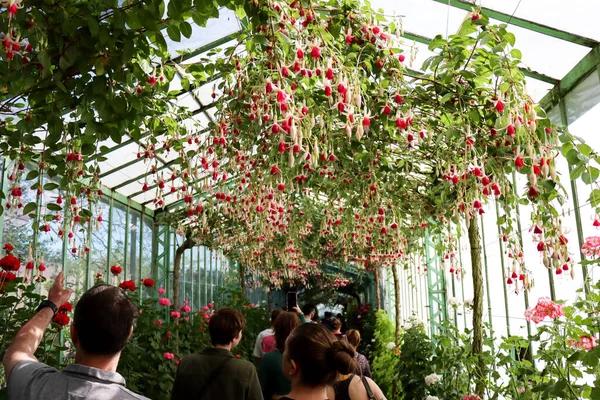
point(47, 303)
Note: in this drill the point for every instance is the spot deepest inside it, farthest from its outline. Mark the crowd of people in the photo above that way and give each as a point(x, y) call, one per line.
point(298, 356)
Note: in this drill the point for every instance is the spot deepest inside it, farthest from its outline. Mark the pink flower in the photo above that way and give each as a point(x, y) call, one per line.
point(544, 308)
point(157, 323)
point(169, 356)
point(161, 291)
point(175, 314)
point(211, 305)
point(591, 247)
point(586, 343)
point(205, 308)
point(163, 301)
point(185, 309)
point(471, 397)
point(186, 319)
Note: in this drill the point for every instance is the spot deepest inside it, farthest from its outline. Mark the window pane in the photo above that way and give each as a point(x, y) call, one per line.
point(99, 245)
point(133, 255)
point(147, 256)
point(117, 250)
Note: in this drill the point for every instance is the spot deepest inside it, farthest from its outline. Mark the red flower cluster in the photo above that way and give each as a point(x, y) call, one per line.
point(62, 319)
point(8, 247)
point(127, 285)
point(67, 307)
point(7, 276)
point(149, 283)
point(116, 270)
point(10, 263)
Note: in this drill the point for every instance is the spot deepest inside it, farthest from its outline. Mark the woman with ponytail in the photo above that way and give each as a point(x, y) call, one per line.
point(314, 359)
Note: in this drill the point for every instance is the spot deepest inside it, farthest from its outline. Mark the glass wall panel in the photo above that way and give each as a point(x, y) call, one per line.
point(117, 250)
point(202, 287)
point(147, 257)
point(134, 244)
point(99, 245)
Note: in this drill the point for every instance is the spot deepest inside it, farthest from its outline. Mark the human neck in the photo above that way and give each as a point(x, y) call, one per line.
point(227, 347)
point(106, 363)
point(301, 392)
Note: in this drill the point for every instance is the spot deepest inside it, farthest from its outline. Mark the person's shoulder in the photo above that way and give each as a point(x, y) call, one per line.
point(127, 394)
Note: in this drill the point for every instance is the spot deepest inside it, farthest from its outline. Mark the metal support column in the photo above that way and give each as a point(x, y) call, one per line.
point(438, 312)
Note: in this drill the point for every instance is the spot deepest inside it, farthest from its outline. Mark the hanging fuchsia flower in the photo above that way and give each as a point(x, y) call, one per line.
point(544, 308)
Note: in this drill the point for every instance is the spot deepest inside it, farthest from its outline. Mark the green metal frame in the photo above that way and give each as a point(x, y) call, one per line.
point(436, 281)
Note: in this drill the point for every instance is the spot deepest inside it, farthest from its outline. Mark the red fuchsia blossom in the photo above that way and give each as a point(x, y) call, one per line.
point(169, 356)
point(591, 247)
point(62, 319)
point(499, 106)
point(10, 263)
point(128, 285)
point(149, 283)
point(163, 301)
point(116, 270)
point(586, 343)
point(544, 308)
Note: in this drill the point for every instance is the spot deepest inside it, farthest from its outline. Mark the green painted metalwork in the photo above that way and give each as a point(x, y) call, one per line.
point(125, 201)
point(520, 236)
point(438, 312)
point(487, 276)
point(523, 23)
point(582, 70)
point(526, 71)
point(460, 260)
point(120, 167)
point(503, 273)
point(109, 244)
point(126, 245)
point(576, 206)
point(88, 259)
point(4, 185)
point(162, 255)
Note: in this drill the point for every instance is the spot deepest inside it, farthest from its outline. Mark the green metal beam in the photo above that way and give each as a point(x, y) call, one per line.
point(125, 201)
point(582, 70)
point(526, 71)
point(202, 49)
point(120, 167)
point(523, 23)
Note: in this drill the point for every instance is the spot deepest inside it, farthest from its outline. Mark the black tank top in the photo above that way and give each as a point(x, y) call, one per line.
point(342, 388)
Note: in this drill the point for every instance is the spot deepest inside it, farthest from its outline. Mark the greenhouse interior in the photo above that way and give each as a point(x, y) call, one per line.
point(426, 170)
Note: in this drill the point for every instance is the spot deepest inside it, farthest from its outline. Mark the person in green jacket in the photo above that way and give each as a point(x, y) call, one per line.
point(273, 381)
point(215, 373)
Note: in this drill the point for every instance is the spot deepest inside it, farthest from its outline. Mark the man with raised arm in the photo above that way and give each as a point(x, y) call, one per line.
point(101, 327)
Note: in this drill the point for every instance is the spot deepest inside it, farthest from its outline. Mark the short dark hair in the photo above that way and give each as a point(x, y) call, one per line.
point(308, 308)
point(275, 313)
point(225, 325)
point(319, 355)
point(103, 320)
point(328, 314)
point(283, 326)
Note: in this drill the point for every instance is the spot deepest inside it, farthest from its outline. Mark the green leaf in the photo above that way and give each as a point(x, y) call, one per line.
point(174, 33)
point(595, 198)
point(53, 207)
point(44, 59)
point(516, 53)
point(29, 208)
point(99, 67)
point(576, 172)
point(584, 149)
point(145, 66)
point(186, 29)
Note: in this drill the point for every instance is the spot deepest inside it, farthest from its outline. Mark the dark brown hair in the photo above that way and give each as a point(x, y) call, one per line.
point(353, 336)
point(283, 326)
point(103, 320)
point(275, 313)
point(336, 323)
point(225, 325)
point(319, 355)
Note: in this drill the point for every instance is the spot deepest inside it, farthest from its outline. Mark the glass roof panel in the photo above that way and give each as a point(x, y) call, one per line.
point(537, 89)
point(187, 100)
point(575, 16)
point(115, 179)
point(119, 157)
point(133, 187)
point(545, 54)
point(216, 28)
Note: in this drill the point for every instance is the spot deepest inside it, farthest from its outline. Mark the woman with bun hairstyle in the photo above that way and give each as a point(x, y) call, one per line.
point(314, 359)
point(363, 366)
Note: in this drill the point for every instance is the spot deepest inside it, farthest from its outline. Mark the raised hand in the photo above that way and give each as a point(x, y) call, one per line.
point(58, 294)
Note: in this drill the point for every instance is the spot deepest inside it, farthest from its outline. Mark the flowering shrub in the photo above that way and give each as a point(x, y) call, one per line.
point(363, 318)
point(544, 308)
point(384, 358)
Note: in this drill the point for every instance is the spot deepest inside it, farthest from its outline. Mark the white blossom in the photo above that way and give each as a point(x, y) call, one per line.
point(454, 302)
point(432, 398)
point(390, 346)
point(432, 379)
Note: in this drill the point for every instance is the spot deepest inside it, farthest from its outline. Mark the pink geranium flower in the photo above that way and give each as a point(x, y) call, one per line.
point(169, 356)
point(591, 247)
point(544, 308)
point(161, 291)
point(175, 314)
point(586, 343)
